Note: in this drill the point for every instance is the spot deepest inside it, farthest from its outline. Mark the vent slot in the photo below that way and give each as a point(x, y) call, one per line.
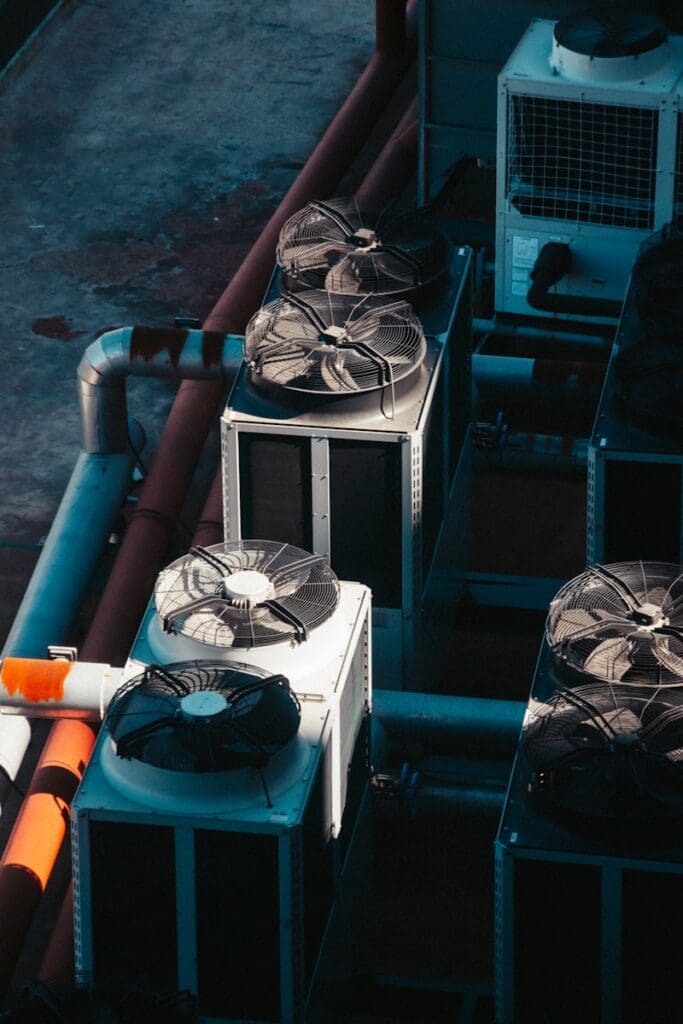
point(588, 162)
point(132, 878)
point(678, 178)
point(238, 925)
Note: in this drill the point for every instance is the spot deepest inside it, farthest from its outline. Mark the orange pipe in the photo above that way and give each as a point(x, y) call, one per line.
point(37, 836)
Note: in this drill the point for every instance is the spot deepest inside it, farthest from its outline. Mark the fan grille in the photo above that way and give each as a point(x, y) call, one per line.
point(257, 716)
point(190, 595)
point(621, 622)
point(608, 750)
point(329, 344)
point(336, 246)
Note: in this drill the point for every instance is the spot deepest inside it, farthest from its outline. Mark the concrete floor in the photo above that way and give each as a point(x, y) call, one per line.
point(144, 145)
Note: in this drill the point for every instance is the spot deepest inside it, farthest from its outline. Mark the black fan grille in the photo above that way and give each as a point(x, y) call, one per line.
point(608, 750)
point(373, 343)
point(190, 598)
point(621, 622)
point(336, 246)
point(147, 721)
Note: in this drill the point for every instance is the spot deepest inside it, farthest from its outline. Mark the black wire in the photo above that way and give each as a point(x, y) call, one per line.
point(6, 775)
point(137, 454)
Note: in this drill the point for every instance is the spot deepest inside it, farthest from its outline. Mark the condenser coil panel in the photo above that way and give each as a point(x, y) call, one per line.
point(577, 906)
point(635, 477)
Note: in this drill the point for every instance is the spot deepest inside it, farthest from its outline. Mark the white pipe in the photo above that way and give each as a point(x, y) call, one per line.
point(57, 689)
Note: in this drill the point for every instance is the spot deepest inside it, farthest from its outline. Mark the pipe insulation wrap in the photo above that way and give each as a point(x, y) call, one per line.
point(139, 351)
point(57, 689)
point(462, 723)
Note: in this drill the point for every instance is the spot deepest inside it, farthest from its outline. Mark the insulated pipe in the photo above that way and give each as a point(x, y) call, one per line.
point(553, 337)
point(29, 856)
point(143, 352)
point(57, 689)
point(453, 800)
point(517, 374)
point(390, 27)
point(146, 539)
point(395, 164)
point(458, 723)
point(83, 522)
point(553, 263)
point(193, 410)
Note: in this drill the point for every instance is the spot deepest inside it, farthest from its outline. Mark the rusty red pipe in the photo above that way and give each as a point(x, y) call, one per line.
point(194, 409)
point(390, 28)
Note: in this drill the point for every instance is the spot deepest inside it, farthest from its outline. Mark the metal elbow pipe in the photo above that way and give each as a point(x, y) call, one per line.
point(143, 352)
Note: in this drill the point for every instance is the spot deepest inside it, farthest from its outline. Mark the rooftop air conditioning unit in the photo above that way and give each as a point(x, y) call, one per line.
point(588, 847)
point(345, 428)
point(588, 150)
point(212, 830)
point(635, 454)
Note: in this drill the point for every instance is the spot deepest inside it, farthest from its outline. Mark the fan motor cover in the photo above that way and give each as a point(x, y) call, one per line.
point(326, 344)
point(621, 622)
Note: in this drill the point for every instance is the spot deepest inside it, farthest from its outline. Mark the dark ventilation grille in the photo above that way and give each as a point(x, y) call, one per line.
point(678, 182)
point(589, 162)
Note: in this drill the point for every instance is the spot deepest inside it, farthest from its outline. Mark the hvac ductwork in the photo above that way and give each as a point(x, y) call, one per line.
point(143, 352)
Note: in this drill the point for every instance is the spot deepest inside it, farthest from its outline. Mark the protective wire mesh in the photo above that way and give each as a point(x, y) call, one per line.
point(622, 622)
point(588, 162)
point(373, 342)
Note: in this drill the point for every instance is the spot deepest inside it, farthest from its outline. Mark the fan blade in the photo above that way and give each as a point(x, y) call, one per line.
point(126, 742)
point(670, 661)
point(335, 375)
point(610, 659)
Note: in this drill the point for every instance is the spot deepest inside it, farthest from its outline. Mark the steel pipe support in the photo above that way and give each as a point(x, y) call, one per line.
point(460, 724)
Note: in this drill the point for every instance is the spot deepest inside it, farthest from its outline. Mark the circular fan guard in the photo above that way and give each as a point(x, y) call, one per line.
point(607, 750)
point(194, 595)
point(606, 32)
point(156, 717)
point(330, 344)
point(336, 246)
point(621, 622)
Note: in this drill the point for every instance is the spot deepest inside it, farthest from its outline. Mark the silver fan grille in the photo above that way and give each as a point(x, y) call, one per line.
point(621, 622)
point(329, 344)
point(608, 750)
point(336, 246)
point(193, 595)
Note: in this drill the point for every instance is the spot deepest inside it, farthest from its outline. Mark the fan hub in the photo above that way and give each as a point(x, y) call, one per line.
point(247, 588)
point(334, 336)
point(365, 238)
point(649, 616)
point(202, 704)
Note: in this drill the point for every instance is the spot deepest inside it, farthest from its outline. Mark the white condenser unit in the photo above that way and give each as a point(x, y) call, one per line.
point(222, 820)
point(588, 157)
point(345, 429)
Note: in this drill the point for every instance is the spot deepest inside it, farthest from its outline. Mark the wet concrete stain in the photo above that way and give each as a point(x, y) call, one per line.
point(55, 327)
point(184, 262)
